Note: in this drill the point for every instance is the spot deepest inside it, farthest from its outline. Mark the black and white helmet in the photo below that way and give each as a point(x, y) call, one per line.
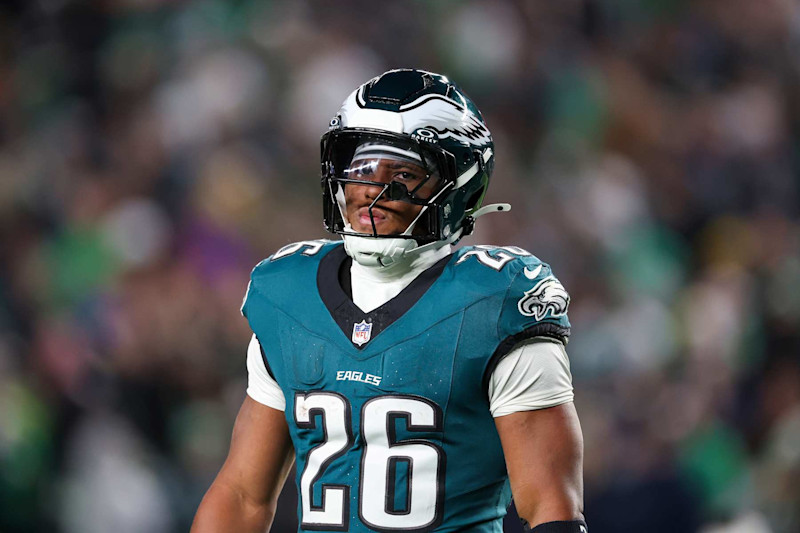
point(420, 117)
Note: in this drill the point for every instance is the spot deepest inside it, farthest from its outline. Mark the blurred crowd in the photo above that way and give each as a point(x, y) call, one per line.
point(153, 151)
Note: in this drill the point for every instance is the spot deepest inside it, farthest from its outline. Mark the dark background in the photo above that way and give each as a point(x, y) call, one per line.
point(152, 151)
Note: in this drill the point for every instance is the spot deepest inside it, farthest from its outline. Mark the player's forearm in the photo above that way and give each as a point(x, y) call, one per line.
point(544, 453)
point(223, 509)
point(538, 509)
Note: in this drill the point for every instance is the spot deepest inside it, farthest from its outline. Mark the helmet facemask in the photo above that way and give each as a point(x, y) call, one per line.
point(395, 168)
point(412, 117)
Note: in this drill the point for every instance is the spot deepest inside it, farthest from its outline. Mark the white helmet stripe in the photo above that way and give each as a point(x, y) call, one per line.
point(376, 150)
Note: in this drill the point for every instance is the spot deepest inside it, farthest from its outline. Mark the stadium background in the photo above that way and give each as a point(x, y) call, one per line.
point(152, 151)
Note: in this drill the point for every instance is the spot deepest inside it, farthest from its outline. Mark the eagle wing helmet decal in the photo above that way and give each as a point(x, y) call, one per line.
point(445, 116)
point(547, 295)
point(440, 114)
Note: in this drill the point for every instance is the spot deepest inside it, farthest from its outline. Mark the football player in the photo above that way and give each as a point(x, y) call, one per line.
point(416, 388)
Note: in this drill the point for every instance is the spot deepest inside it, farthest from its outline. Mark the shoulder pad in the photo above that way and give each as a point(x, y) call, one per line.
point(494, 257)
point(296, 250)
point(285, 261)
point(292, 256)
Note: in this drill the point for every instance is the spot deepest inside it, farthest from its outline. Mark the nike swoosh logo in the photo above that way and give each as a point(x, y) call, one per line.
point(531, 274)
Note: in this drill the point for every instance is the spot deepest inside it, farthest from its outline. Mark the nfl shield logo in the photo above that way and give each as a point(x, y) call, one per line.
point(362, 332)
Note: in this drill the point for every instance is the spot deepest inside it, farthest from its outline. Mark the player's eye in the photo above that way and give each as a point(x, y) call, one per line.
point(406, 176)
point(366, 168)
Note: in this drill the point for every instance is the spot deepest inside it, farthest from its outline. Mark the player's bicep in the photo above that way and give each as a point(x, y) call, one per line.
point(544, 457)
point(534, 375)
point(260, 455)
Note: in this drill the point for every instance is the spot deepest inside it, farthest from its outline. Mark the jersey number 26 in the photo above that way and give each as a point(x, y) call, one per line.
point(382, 457)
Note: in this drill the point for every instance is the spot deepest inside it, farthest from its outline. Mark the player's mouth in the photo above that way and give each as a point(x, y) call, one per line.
point(378, 215)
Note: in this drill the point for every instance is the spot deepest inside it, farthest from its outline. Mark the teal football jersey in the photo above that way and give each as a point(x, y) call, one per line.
point(388, 410)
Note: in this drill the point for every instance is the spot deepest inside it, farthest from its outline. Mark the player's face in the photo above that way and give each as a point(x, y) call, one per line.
point(390, 217)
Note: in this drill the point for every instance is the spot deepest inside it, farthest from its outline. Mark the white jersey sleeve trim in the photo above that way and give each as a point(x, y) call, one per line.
point(534, 375)
point(260, 385)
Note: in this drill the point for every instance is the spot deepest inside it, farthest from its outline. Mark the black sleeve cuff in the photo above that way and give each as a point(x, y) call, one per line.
point(542, 329)
point(567, 526)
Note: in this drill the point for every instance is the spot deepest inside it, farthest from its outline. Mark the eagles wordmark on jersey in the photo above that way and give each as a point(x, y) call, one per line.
point(392, 431)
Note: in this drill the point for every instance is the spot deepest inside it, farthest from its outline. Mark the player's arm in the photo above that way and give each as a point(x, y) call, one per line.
point(544, 456)
point(243, 496)
point(530, 396)
point(245, 492)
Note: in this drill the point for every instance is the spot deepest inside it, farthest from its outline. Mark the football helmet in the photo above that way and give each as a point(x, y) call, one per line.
point(426, 124)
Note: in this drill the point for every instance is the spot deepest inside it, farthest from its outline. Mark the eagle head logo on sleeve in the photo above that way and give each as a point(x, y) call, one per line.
point(547, 295)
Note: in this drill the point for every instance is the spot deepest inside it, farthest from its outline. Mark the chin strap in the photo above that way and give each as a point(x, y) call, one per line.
point(385, 252)
point(376, 252)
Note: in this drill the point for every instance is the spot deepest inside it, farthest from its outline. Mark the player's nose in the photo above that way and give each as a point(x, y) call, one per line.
point(362, 195)
point(371, 192)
